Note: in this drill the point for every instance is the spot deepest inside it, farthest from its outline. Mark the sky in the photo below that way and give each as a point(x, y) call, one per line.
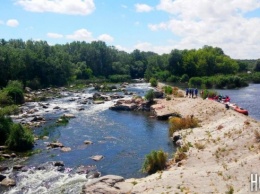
point(148, 25)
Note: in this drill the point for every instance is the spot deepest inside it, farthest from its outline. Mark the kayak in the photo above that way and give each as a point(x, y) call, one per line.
point(241, 110)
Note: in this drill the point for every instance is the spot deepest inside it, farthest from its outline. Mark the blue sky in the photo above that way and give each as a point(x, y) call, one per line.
point(147, 25)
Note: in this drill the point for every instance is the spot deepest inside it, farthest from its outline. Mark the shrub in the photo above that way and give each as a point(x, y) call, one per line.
point(149, 95)
point(154, 161)
point(177, 123)
point(20, 138)
point(14, 89)
point(5, 99)
point(5, 125)
point(167, 89)
point(208, 93)
point(153, 82)
point(256, 77)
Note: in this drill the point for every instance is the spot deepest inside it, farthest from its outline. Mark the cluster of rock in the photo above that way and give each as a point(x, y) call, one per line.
point(108, 184)
point(131, 105)
point(5, 154)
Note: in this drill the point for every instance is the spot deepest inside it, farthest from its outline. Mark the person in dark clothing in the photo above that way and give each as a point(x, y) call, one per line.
point(192, 92)
point(196, 92)
point(187, 92)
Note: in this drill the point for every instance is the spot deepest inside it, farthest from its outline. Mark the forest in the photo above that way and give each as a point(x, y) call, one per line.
point(38, 65)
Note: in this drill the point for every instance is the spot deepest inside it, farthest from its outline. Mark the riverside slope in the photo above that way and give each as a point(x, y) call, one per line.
point(230, 155)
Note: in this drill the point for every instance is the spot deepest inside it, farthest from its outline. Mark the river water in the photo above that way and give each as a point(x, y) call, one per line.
point(247, 98)
point(123, 138)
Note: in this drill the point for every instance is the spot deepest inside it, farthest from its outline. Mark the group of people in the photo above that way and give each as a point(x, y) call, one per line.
point(191, 92)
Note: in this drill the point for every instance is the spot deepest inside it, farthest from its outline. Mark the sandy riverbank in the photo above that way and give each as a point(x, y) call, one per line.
point(231, 153)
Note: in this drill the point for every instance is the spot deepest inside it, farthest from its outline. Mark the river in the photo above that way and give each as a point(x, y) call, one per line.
point(247, 98)
point(123, 138)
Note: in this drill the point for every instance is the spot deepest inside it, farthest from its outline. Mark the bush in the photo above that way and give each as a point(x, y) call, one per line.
point(153, 82)
point(154, 161)
point(149, 95)
point(177, 123)
point(208, 94)
point(119, 78)
point(5, 99)
point(256, 77)
point(5, 125)
point(14, 89)
point(167, 89)
point(20, 138)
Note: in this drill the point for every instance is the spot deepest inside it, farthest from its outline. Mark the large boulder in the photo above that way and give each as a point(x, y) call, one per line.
point(107, 184)
point(8, 182)
point(158, 94)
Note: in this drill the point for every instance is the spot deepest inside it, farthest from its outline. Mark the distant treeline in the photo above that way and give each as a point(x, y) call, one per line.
point(37, 64)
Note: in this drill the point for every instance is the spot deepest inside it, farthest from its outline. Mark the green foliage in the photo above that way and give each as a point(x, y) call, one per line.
point(39, 65)
point(208, 94)
point(5, 99)
point(153, 82)
point(20, 138)
point(149, 95)
point(63, 120)
point(195, 82)
point(173, 79)
point(5, 125)
point(15, 136)
point(167, 89)
point(257, 66)
point(154, 161)
point(119, 78)
point(219, 81)
point(184, 78)
point(256, 77)
point(14, 90)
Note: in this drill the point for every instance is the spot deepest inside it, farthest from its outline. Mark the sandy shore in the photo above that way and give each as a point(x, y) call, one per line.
point(230, 155)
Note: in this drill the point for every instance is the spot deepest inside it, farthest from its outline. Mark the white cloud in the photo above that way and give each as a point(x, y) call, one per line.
point(143, 8)
point(12, 23)
point(75, 7)
point(146, 46)
point(81, 35)
point(54, 35)
point(213, 22)
point(106, 38)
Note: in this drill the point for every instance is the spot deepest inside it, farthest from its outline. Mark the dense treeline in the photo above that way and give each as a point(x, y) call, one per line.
point(37, 64)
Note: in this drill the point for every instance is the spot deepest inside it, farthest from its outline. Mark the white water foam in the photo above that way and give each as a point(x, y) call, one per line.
point(48, 181)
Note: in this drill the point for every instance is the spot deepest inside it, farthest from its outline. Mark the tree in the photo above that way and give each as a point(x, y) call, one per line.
point(257, 66)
